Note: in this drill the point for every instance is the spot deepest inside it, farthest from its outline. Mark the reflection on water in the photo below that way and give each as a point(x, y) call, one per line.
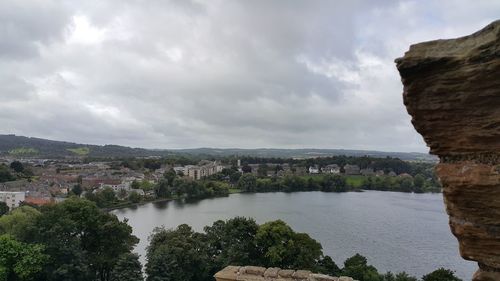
point(395, 231)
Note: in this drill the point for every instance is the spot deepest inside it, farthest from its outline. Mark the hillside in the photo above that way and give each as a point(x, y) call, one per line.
point(20, 146)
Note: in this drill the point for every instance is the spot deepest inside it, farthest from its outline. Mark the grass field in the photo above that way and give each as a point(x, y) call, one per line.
point(80, 150)
point(23, 151)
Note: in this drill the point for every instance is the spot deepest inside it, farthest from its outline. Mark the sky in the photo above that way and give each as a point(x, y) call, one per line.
point(246, 74)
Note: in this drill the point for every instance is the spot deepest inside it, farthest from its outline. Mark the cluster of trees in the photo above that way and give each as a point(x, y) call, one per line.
point(72, 240)
point(183, 254)
point(327, 183)
point(16, 170)
point(173, 186)
point(417, 184)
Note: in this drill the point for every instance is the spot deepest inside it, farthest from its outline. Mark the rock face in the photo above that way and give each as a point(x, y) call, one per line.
point(255, 273)
point(452, 92)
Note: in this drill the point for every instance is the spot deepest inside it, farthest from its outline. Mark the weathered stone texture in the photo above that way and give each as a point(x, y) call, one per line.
point(452, 92)
point(254, 273)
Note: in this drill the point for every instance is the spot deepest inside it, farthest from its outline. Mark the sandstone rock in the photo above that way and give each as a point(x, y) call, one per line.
point(452, 92)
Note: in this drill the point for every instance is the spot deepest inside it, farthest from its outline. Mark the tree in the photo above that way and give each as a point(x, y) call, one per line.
point(4, 209)
point(441, 274)
point(20, 261)
point(5, 174)
point(246, 169)
point(262, 170)
point(77, 189)
point(18, 222)
point(127, 268)
point(327, 266)
point(178, 255)
point(418, 183)
point(170, 175)
point(84, 242)
point(280, 246)
point(134, 197)
point(231, 242)
point(162, 189)
point(357, 267)
point(17, 166)
point(247, 183)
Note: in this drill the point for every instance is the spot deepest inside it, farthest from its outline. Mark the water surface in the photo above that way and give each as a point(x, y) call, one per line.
point(395, 231)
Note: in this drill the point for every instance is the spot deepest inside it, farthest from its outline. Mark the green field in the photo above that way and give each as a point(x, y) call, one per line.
point(354, 181)
point(23, 151)
point(80, 150)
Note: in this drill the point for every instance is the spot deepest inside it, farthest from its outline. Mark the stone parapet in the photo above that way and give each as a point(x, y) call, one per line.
point(256, 273)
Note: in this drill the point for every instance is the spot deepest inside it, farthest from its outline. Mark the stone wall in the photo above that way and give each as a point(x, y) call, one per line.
point(452, 92)
point(255, 273)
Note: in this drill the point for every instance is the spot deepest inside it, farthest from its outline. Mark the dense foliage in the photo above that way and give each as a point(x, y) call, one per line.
point(185, 255)
point(74, 240)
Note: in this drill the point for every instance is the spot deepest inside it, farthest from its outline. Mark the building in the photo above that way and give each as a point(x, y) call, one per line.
point(12, 198)
point(203, 169)
point(351, 169)
point(331, 169)
point(314, 169)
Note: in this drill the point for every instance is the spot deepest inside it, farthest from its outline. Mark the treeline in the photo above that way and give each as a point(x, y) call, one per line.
point(336, 183)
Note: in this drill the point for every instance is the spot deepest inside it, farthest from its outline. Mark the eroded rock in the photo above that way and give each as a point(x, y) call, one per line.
point(452, 92)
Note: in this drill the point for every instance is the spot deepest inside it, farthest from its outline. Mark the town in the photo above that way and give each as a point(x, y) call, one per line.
point(39, 182)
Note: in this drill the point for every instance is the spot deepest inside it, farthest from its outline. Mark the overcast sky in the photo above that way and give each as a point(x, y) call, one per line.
point(183, 74)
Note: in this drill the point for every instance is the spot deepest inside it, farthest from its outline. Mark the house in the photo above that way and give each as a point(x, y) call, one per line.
point(331, 169)
point(314, 169)
point(12, 198)
point(379, 173)
point(351, 169)
point(367, 172)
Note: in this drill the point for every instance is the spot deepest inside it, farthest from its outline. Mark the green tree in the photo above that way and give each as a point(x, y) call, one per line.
point(231, 242)
point(84, 242)
point(4, 209)
point(127, 268)
point(18, 222)
point(134, 197)
point(20, 261)
point(358, 268)
point(280, 246)
point(327, 266)
point(418, 183)
point(262, 170)
point(17, 166)
point(162, 189)
point(247, 183)
point(170, 176)
point(5, 174)
point(77, 189)
point(441, 274)
point(178, 255)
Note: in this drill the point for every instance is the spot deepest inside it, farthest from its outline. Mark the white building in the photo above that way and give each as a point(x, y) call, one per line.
point(314, 170)
point(204, 169)
point(12, 198)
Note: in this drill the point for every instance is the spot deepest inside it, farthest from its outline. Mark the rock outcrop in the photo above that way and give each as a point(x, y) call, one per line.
point(452, 92)
point(255, 273)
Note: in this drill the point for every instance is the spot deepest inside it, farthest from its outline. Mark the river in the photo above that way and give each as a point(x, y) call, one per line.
point(395, 231)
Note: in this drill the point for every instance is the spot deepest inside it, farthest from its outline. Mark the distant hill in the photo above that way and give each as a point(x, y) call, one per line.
point(19, 146)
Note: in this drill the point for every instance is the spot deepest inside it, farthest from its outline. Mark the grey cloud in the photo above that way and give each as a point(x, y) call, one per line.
point(172, 74)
